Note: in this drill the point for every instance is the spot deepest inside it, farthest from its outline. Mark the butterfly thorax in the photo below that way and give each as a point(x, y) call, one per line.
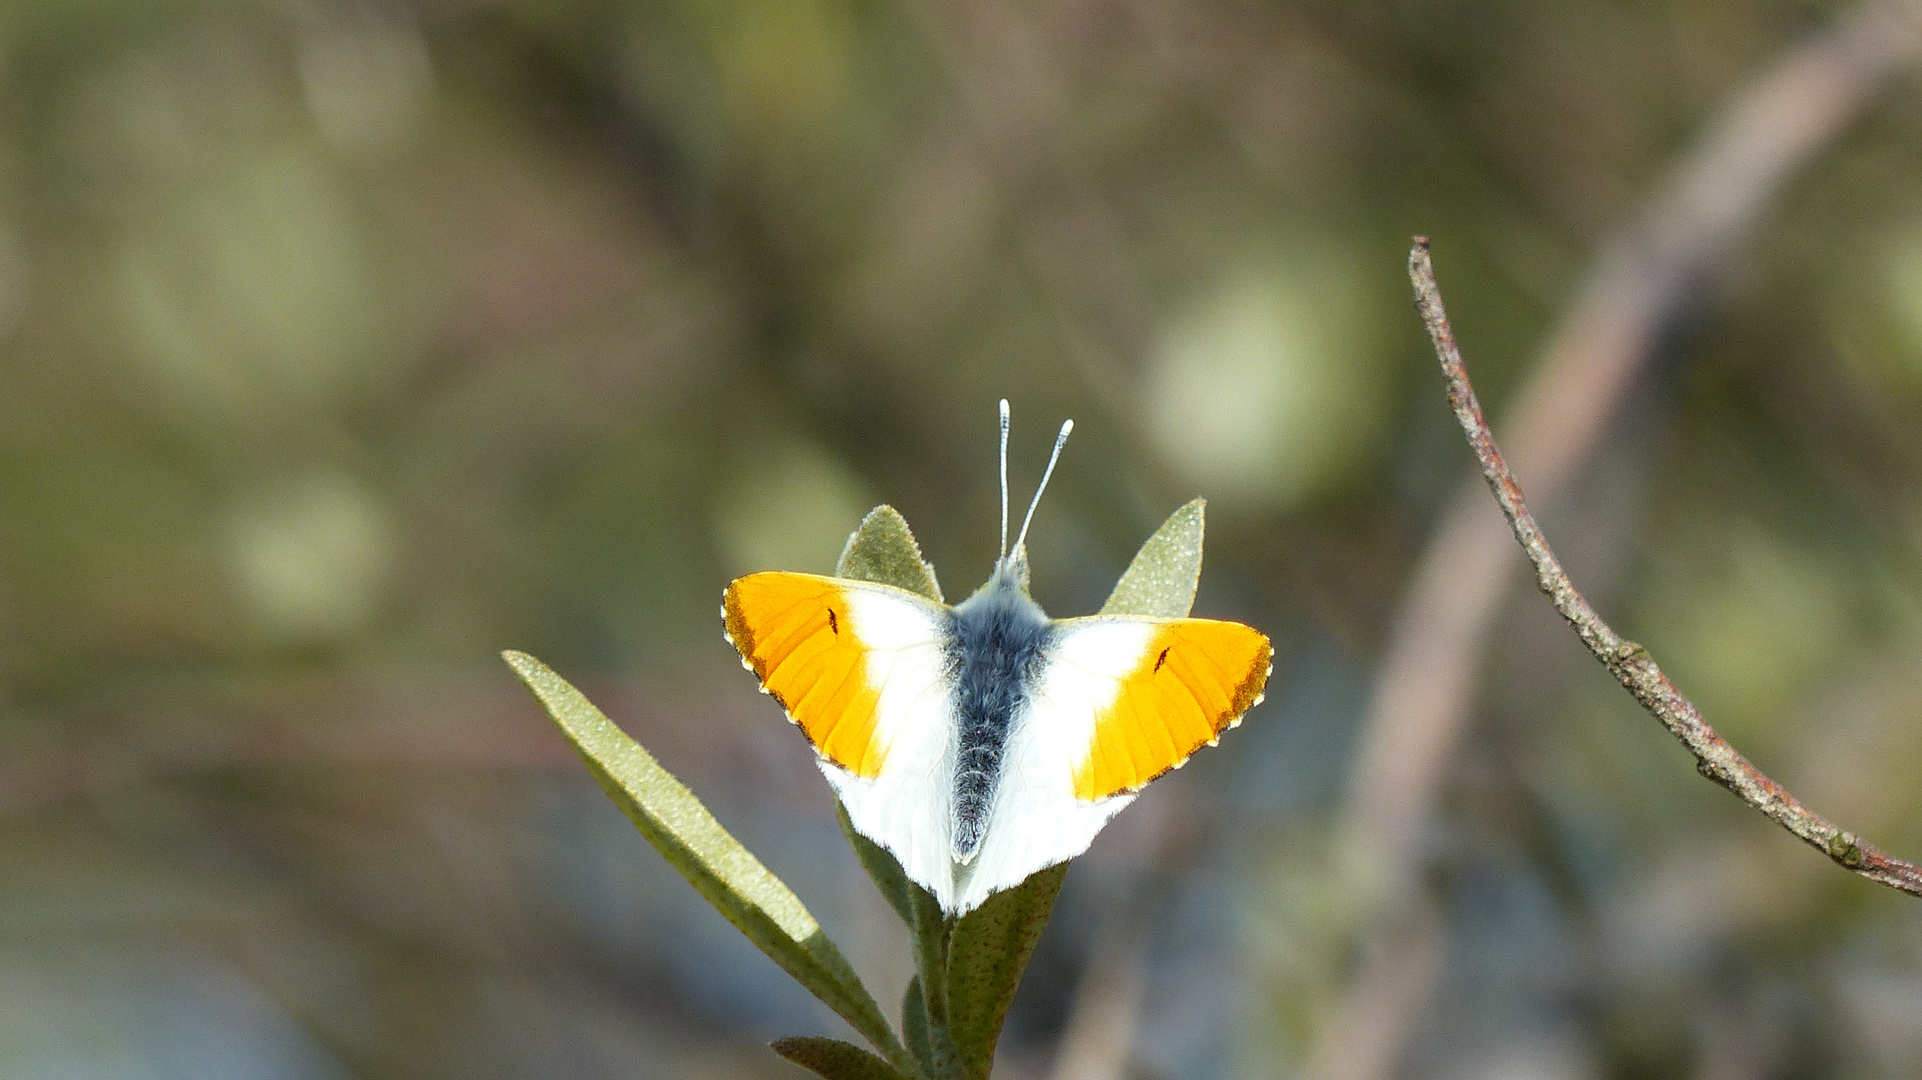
point(997, 650)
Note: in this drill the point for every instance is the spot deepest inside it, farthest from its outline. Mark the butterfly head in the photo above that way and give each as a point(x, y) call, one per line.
point(1011, 567)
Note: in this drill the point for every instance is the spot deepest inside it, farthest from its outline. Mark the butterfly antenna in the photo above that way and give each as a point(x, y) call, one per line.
point(1004, 480)
point(1059, 441)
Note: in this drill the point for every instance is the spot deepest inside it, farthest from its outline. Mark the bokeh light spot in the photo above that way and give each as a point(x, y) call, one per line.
point(1269, 386)
point(311, 555)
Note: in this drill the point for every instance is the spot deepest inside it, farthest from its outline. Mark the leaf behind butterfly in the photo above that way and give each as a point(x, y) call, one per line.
point(1161, 580)
point(883, 551)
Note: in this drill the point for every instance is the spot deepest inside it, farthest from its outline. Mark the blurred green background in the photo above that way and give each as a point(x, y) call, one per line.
point(344, 344)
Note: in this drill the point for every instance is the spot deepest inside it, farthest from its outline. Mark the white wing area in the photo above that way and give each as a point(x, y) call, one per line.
point(1035, 820)
point(909, 807)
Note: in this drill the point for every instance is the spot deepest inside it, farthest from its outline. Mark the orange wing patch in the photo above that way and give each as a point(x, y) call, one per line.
point(794, 633)
point(1195, 680)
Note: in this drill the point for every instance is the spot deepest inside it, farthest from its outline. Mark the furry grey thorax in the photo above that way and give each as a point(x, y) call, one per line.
point(997, 648)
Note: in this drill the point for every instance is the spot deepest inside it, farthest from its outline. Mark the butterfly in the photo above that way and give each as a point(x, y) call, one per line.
point(983, 742)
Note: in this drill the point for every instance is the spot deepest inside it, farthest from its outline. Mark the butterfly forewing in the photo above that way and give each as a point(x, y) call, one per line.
point(796, 634)
point(1192, 680)
point(863, 669)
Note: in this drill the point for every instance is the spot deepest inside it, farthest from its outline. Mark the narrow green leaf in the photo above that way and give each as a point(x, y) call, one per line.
point(725, 873)
point(932, 931)
point(914, 1027)
point(1161, 580)
point(883, 550)
point(833, 1059)
point(986, 956)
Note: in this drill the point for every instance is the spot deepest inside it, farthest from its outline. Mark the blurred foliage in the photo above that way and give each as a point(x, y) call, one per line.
point(346, 343)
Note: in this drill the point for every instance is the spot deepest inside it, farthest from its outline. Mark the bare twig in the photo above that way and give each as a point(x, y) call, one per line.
point(1630, 663)
point(1649, 271)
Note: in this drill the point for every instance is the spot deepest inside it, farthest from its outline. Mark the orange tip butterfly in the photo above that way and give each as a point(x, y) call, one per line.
point(982, 742)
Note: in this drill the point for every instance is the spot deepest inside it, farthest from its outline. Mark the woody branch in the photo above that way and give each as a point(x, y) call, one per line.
point(1629, 662)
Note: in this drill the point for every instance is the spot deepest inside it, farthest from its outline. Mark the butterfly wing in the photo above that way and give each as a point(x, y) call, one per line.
point(1191, 680)
point(864, 671)
point(1119, 702)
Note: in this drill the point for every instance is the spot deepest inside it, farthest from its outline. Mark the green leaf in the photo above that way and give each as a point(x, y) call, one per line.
point(883, 550)
point(833, 1059)
point(1161, 581)
point(725, 873)
point(986, 956)
point(932, 931)
point(914, 1027)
